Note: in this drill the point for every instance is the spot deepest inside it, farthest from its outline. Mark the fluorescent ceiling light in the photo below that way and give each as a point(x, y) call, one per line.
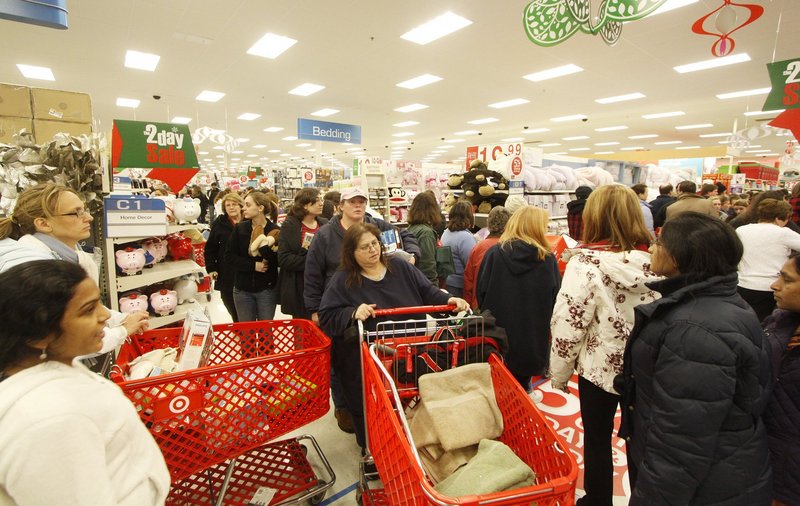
point(466, 132)
point(403, 134)
point(260, 146)
point(436, 28)
point(707, 136)
point(549, 145)
point(763, 113)
point(632, 148)
point(611, 128)
point(658, 115)
point(285, 154)
point(290, 138)
point(688, 147)
point(355, 149)
point(714, 63)
point(572, 117)
point(249, 116)
point(453, 140)
point(580, 149)
point(209, 96)
point(666, 143)
point(34, 72)
point(559, 153)
point(401, 142)
point(613, 143)
point(218, 147)
point(672, 5)
point(303, 145)
point(411, 108)
point(405, 124)
point(694, 127)
point(513, 139)
point(306, 89)
point(181, 120)
point(325, 112)
point(575, 138)
point(645, 136)
point(744, 93)
point(274, 151)
point(273, 129)
point(603, 152)
point(543, 75)
point(509, 103)
point(482, 121)
point(238, 152)
point(141, 61)
point(203, 153)
point(419, 81)
point(311, 150)
point(242, 139)
point(620, 98)
point(271, 46)
point(128, 102)
point(724, 142)
point(535, 130)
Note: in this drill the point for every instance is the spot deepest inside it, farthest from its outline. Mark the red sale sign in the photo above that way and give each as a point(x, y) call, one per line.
point(491, 153)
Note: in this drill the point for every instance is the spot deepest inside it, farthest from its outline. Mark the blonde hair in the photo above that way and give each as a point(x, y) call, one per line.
point(613, 214)
point(529, 225)
point(228, 197)
point(39, 201)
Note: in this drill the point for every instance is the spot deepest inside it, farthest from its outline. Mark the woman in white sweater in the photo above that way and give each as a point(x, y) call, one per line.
point(767, 246)
point(67, 436)
point(53, 219)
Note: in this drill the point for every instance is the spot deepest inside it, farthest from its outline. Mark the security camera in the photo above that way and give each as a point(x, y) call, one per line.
point(442, 138)
point(584, 119)
point(156, 97)
point(525, 127)
point(412, 142)
point(480, 133)
point(387, 147)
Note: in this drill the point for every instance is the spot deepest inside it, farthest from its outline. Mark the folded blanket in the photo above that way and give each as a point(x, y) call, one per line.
point(494, 468)
point(438, 464)
point(462, 406)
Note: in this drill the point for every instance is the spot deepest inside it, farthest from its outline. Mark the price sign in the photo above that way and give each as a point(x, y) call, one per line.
point(134, 216)
point(491, 153)
point(785, 79)
point(309, 177)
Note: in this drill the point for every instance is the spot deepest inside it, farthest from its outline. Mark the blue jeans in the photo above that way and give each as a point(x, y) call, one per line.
point(255, 306)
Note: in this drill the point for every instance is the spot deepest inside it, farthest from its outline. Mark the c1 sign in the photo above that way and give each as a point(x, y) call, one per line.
point(314, 130)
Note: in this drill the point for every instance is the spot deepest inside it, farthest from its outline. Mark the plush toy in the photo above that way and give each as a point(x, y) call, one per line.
point(449, 201)
point(265, 241)
point(454, 181)
point(480, 182)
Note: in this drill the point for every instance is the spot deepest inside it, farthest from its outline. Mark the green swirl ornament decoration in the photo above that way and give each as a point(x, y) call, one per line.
point(551, 22)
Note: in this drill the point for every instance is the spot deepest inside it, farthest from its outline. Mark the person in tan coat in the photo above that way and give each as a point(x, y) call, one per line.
point(688, 200)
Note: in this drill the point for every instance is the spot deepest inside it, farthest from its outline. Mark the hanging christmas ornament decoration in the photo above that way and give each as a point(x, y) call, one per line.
point(551, 22)
point(725, 23)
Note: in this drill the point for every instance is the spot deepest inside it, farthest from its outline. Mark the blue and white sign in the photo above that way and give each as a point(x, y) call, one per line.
point(314, 130)
point(134, 216)
point(49, 13)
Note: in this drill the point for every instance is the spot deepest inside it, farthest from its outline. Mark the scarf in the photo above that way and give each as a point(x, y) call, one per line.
point(59, 249)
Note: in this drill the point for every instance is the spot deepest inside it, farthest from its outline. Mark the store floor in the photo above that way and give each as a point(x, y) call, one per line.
point(342, 452)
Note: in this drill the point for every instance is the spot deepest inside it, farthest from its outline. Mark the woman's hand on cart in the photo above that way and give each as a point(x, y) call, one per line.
point(460, 304)
point(136, 322)
point(364, 311)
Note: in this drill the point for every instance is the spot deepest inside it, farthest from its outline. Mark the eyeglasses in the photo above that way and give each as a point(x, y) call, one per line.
point(79, 213)
point(374, 245)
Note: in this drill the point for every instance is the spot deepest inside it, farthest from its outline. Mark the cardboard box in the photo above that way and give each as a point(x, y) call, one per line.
point(44, 130)
point(61, 105)
point(15, 100)
point(196, 341)
point(9, 126)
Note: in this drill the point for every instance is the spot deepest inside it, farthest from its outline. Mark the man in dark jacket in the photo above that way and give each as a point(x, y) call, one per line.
point(575, 212)
point(657, 205)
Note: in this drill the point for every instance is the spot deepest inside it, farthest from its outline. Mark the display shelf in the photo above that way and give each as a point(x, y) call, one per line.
point(171, 229)
point(179, 314)
point(159, 272)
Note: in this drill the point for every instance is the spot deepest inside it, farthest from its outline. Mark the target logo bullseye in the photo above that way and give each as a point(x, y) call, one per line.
point(179, 404)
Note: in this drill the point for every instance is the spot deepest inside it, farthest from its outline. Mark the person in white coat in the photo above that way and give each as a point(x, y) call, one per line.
point(67, 435)
point(52, 219)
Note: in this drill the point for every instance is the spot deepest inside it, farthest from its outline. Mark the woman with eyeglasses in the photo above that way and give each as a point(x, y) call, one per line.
point(368, 280)
point(52, 220)
point(297, 233)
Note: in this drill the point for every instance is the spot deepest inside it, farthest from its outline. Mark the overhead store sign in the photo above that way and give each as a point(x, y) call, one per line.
point(314, 130)
point(49, 13)
point(785, 79)
point(164, 147)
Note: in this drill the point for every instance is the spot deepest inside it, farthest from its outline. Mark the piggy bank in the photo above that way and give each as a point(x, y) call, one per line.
point(132, 303)
point(130, 260)
point(164, 302)
point(186, 288)
point(156, 247)
point(186, 210)
point(180, 247)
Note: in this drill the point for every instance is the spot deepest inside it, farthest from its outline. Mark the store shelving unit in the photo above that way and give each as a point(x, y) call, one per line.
point(378, 192)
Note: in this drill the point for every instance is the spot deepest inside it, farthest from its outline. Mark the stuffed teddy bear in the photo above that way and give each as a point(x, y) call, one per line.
point(449, 201)
point(269, 241)
point(480, 182)
point(454, 181)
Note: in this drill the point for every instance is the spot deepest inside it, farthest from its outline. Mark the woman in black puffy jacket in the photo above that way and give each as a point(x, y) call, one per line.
point(697, 375)
point(783, 411)
point(221, 270)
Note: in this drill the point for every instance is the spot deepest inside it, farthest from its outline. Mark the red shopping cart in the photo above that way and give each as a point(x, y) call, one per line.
point(396, 460)
point(262, 380)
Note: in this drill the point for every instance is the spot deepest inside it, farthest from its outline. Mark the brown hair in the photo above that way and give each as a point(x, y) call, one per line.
point(529, 225)
point(613, 214)
point(640, 189)
point(460, 216)
point(302, 198)
point(348, 262)
point(425, 210)
point(230, 197)
point(263, 199)
point(39, 201)
point(770, 210)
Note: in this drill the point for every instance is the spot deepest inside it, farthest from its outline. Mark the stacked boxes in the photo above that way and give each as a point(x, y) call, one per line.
point(43, 112)
point(555, 204)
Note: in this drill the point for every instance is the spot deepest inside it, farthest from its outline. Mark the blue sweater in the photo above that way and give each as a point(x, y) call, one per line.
point(461, 243)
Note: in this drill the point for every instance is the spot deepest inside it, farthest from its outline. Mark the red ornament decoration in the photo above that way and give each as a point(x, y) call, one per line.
point(725, 24)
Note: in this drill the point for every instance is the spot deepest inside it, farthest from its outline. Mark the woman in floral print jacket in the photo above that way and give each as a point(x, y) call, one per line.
point(604, 280)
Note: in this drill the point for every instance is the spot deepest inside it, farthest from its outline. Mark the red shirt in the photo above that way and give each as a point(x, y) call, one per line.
point(473, 267)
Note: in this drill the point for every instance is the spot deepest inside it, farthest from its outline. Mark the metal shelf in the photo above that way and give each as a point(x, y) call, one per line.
point(159, 272)
point(171, 229)
point(180, 313)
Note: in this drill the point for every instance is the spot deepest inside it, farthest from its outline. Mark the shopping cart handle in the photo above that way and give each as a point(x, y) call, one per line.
point(415, 310)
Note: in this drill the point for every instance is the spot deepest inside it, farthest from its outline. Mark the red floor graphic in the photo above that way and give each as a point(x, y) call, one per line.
point(564, 412)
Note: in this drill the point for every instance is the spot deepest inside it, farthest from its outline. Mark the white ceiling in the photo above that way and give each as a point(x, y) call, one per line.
point(354, 49)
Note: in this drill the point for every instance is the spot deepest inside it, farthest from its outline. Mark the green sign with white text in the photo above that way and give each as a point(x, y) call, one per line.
point(785, 79)
point(146, 144)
